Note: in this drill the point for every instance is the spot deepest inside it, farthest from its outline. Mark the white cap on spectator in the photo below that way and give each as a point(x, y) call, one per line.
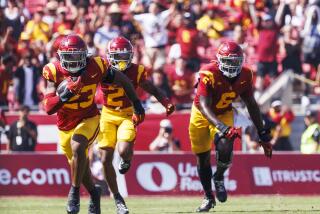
point(165, 123)
point(114, 8)
point(52, 5)
point(276, 103)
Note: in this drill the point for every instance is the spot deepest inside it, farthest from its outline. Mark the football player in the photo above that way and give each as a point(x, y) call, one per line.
point(116, 124)
point(220, 83)
point(71, 87)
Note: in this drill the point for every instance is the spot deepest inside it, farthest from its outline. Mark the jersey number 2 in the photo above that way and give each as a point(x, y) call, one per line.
point(114, 99)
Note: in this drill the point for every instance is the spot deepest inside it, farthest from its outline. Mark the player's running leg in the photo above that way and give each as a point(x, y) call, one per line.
point(205, 175)
point(93, 190)
point(126, 152)
point(126, 135)
point(111, 178)
point(79, 144)
point(224, 150)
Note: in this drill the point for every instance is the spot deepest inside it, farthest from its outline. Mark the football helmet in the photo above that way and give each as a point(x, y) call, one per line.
point(55, 45)
point(120, 53)
point(73, 53)
point(230, 59)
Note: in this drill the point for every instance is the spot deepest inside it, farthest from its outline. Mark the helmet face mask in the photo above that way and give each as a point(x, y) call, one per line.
point(73, 61)
point(120, 60)
point(119, 53)
point(73, 54)
point(230, 66)
point(230, 59)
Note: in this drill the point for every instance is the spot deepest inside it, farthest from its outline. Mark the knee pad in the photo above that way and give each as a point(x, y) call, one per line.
point(224, 152)
point(224, 160)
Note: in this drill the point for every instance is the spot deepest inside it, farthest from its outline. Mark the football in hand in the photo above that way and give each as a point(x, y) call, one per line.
point(62, 86)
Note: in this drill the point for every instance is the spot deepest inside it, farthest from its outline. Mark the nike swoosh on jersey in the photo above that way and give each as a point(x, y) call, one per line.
point(243, 82)
point(94, 75)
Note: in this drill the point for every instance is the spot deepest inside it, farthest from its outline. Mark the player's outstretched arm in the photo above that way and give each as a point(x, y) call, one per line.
point(157, 93)
point(254, 111)
point(263, 132)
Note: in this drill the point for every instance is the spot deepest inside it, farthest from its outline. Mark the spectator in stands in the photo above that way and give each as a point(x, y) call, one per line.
point(181, 81)
point(153, 26)
point(50, 13)
point(160, 80)
point(7, 41)
point(6, 74)
point(13, 18)
point(98, 17)
point(240, 37)
point(36, 29)
point(282, 116)
point(3, 123)
point(22, 134)
point(25, 81)
point(104, 34)
point(311, 34)
point(290, 48)
point(165, 141)
point(310, 138)
point(61, 24)
point(88, 38)
point(188, 37)
point(266, 49)
point(211, 24)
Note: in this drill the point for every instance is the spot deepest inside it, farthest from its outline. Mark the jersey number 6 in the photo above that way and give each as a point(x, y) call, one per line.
point(226, 99)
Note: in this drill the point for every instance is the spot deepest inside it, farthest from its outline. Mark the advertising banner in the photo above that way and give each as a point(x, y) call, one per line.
point(166, 174)
point(34, 174)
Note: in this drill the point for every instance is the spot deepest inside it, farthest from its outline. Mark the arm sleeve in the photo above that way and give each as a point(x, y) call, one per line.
point(52, 103)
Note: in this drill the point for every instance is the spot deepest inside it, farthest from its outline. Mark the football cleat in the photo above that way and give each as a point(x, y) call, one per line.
point(221, 191)
point(124, 166)
point(206, 205)
point(73, 205)
point(94, 204)
point(121, 205)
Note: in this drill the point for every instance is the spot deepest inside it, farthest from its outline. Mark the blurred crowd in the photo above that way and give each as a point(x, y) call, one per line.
point(172, 38)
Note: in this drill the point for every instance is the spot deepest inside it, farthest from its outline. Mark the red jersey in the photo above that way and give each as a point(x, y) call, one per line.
point(188, 40)
point(81, 106)
point(267, 47)
point(114, 95)
point(212, 83)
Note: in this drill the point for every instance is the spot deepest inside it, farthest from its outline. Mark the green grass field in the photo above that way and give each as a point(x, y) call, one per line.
point(159, 205)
